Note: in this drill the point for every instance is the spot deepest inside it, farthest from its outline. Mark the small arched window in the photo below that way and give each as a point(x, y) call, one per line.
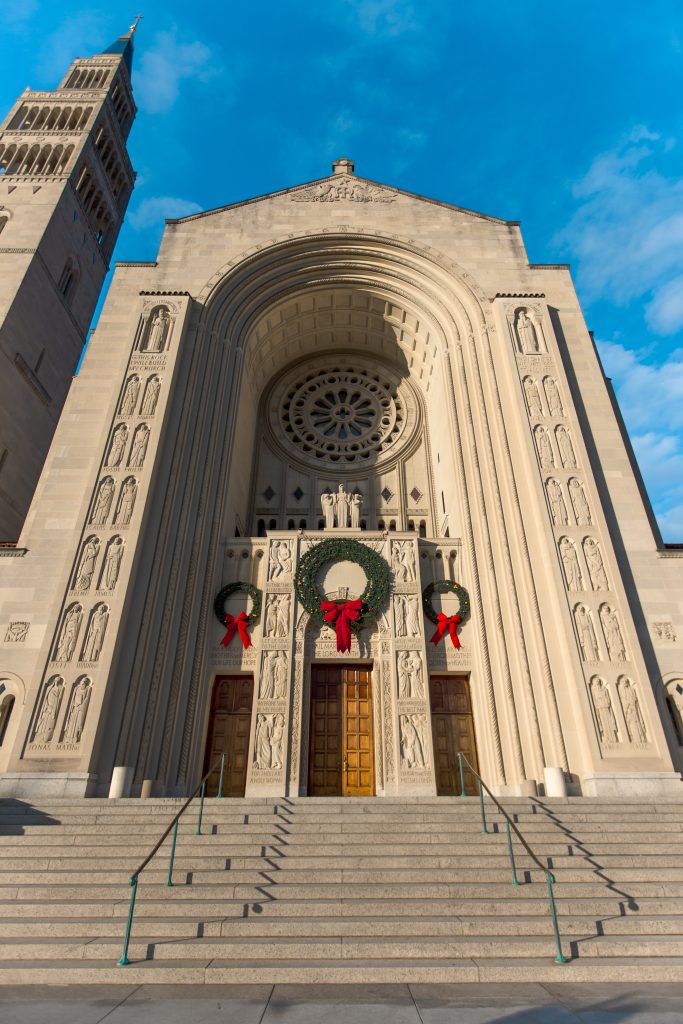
point(272, 525)
point(423, 528)
point(261, 528)
point(303, 524)
point(291, 524)
point(392, 524)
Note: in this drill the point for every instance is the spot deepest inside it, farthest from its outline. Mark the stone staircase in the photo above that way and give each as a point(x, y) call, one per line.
point(330, 890)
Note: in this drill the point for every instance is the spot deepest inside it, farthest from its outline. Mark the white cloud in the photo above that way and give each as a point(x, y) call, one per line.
point(627, 232)
point(384, 17)
point(155, 210)
point(160, 70)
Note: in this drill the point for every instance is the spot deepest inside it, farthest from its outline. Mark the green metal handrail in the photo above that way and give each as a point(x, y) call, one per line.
point(560, 958)
point(173, 827)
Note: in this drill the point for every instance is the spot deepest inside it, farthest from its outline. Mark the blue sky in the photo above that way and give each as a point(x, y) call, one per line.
point(563, 115)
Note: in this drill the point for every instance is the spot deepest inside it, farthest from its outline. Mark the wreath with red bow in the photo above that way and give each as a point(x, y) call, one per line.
point(345, 616)
point(238, 623)
point(446, 623)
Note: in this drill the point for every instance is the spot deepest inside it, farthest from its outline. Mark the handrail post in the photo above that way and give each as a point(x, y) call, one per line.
point(462, 775)
point(515, 880)
point(133, 890)
point(220, 780)
point(483, 812)
point(201, 810)
point(560, 958)
point(169, 880)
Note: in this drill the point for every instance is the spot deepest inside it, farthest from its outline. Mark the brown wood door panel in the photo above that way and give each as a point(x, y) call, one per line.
point(341, 757)
point(453, 733)
point(229, 731)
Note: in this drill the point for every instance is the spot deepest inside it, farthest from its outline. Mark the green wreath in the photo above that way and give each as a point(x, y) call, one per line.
point(238, 588)
point(341, 549)
point(445, 587)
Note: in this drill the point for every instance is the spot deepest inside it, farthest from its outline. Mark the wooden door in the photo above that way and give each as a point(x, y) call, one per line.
point(229, 729)
point(453, 733)
point(341, 760)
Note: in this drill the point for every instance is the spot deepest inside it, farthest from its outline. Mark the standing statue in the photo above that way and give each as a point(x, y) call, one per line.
point(587, 638)
point(533, 399)
point(632, 713)
point(112, 563)
point(328, 506)
point(149, 399)
point(103, 502)
point(526, 333)
point(276, 741)
point(267, 687)
point(553, 397)
point(404, 684)
point(271, 615)
point(282, 615)
point(596, 568)
point(47, 719)
point(412, 741)
point(75, 719)
point(158, 331)
point(262, 751)
point(356, 503)
point(412, 616)
point(95, 636)
point(579, 503)
point(400, 615)
point(572, 569)
point(124, 510)
point(417, 685)
point(130, 396)
point(280, 668)
point(558, 509)
point(343, 502)
point(66, 645)
point(118, 443)
point(602, 702)
point(138, 449)
point(564, 443)
point(86, 566)
point(545, 451)
point(613, 637)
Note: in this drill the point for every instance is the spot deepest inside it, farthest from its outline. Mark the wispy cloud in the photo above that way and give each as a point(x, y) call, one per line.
point(626, 235)
point(163, 67)
point(153, 211)
point(383, 17)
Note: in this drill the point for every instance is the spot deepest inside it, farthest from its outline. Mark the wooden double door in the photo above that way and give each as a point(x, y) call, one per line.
point(453, 733)
point(341, 747)
point(229, 729)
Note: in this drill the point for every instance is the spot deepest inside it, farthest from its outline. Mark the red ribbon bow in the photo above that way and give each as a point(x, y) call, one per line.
point(239, 625)
point(450, 623)
point(342, 614)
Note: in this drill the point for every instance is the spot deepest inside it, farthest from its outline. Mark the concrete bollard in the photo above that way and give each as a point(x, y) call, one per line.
point(121, 781)
point(147, 789)
point(555, 782)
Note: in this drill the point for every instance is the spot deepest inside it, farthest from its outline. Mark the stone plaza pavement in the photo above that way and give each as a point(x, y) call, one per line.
point(558, 1003)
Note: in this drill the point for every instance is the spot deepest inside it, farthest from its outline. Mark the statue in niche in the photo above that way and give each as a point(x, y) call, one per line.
point(158, 331)
point(402, 561)
point(267, 687)
point(280, 676)
point(410, 682)
point(328, 503)
point(579, 503)
point(630, 705)
point(276, 741)
point(356, 504)
point(280, 560)
point(112, 563)
point(342, 507)
point(86, 565)
point(400, 616)
point(103, 500)
point(117, 446)
point(126, 503)
point(282, 615)
point(558, 509)
point(604, 713)
point(151, 396)
point(71, 627)
point(596, 568)
point(78, 709)
point(533, 399)
point(130, 396)
point(613, 637)
point(271, 616)
point(94, 638)
point(545, 451)
point(566, 448)
point(553, 397)
point(138, 449)
point(588, 641)
point(404, 680)
point(268, 741)
point(526, 333)
point(570, 562)
point(47, 719)
point(413, 734)
point(412, 616)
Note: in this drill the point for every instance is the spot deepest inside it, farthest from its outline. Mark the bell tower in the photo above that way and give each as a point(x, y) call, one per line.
point(65, 182)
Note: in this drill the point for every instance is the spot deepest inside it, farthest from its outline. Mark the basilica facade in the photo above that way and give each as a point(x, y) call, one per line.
point(340, 492)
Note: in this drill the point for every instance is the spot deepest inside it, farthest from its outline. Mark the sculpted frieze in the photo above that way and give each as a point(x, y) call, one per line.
point(344, 190)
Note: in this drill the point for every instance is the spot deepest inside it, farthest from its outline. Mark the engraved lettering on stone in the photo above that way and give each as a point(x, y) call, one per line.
point(410, 681)
point(130, 396)
point(49, 710)
point(596, 568)
point(16, 632)
point(111, 565)
point(604, 713)
point(545, 451)
point(68, 636)
point(585, 628)
point(533, 399)
point(94, 637)
point(117, 446)
point(76, 711)
point(630, 705)
point(402, 561)
point(138, 449)
point(558, 508)
point(151, 396)
point(565, 447)
point(613, 635)
point(103, 500)
point(527, 336)
point(553, 397)
point(414, 751)
point(570, 562)
point(124, 509)
point(579, 503)
point(86, 564)
point(268, 741)
point(280, 560)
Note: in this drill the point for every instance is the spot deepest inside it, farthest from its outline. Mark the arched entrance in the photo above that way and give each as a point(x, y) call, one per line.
point(229, 728)
point(341, 750)
point(453, 733)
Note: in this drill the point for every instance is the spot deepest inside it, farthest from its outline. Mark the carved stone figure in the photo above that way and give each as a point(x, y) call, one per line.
point(553, 397)
point(400, 616)
point(566, 448)
point(138, 449)
point(558, 509)
point(151, 396)
point(526, 333)
point(267, 685)
point(665, 631)
point(356, 503)
point(71, 627)
point(402, 561)
point(588, 641)
point(404, 680)
point(124, 510)
point(533, 399)
point(412, 616)
point(158, 331)
point(130, 396)
point(103, 500)
point(280, 560)
point(604, 713)
point(112, 564)
point(268, 741)
point(271, 616)
point(47, 719)
point(612, 630)
point(117, 446)
point(276, 741)
point(545, 451)
point(282, 615)
point(78, 709)
point(94, 638)
point(630, 705)
point(86, 565)
point(342, 507)
point(579, 503)
point(16, 632)
point(413, 734)
point(414, 665)
point(280, 676)
point(570, 562)
point(596, 568)
point(328, 503)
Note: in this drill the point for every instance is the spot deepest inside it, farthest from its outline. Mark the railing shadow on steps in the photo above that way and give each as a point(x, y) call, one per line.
point(218, 766)
point(511, 827)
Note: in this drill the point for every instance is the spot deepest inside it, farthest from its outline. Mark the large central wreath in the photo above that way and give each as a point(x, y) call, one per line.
point(340, 549)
